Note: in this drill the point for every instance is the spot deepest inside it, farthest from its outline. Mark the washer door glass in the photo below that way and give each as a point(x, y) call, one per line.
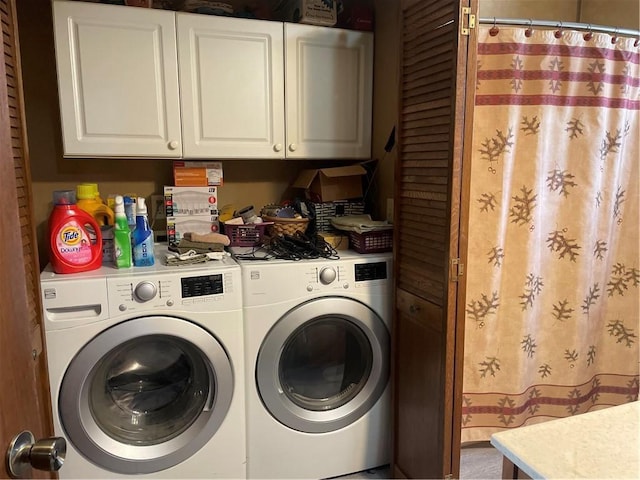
point(145, 394)
point(149, 390)
point(325, 363)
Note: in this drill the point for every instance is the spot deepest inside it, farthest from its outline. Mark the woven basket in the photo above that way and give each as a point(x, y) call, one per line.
point(286, 226)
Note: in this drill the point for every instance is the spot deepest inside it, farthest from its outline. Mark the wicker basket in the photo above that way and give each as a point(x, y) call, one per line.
point(249, 235)
point(286, 226)
point(372, 242)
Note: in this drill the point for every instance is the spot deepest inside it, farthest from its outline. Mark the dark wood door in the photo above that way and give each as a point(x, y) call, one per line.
point(24, 402)
point(435, 95)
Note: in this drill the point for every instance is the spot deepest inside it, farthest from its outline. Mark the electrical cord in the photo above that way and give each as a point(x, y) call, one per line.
point(292, 247)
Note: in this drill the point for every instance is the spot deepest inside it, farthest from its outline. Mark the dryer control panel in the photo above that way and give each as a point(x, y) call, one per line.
point(366, 272)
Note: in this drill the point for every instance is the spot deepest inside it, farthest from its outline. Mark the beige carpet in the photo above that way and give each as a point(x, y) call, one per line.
point(480, 461)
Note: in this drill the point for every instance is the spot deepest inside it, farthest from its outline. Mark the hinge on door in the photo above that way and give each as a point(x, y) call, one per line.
point(470, 21)
point(457, 269)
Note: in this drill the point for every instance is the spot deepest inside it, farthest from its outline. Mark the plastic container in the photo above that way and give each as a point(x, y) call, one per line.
point(250, 235)
point(121, 236)
point(130, 211)
point(71, 230)
point(88, 199)
point(371, 242)
point(107, 244)
point(142, 237)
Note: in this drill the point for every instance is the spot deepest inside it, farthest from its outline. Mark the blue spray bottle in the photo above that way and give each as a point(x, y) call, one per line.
point(142, 237)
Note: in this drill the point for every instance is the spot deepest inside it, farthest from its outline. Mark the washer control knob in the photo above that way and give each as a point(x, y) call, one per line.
point(145, 291)
point(309, 288)
point(345, 286)
point(169, 303)
point(327, 275)
point(122, 307)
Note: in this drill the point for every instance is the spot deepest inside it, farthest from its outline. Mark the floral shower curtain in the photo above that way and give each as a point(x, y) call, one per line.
point(552, 303)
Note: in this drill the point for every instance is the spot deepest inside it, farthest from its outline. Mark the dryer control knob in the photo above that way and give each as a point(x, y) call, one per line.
point(327, 275)
point(145, 291)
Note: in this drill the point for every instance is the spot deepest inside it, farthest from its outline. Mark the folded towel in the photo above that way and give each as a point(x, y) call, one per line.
point(191, 257)
point(360, 223)
point(208, 238)
point(199, 247)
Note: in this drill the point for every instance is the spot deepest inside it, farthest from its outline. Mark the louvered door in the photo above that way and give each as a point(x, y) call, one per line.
point(24, 401)
point(434, 95)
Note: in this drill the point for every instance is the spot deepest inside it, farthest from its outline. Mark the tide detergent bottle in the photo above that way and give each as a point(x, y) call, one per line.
point(142, 237)
point(75, 239)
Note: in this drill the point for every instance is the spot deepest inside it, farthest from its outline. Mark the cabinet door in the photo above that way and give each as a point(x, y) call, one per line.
point(118, 80)
point(232, 88)
point(437, 86)
point(329, 81)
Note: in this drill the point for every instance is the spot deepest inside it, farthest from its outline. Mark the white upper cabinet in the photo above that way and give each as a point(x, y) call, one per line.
point(118, 80)
point(140, 82)
point(329, 87)
point(232, 87)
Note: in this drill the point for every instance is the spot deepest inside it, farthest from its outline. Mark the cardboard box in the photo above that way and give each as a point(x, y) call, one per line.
point(313, 12)
point(178, 226)
point(197, 174)
point(329, 184)
point(185, 201)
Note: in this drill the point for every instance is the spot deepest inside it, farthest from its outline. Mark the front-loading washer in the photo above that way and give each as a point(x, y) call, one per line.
point(317, 339)
point(146, 369)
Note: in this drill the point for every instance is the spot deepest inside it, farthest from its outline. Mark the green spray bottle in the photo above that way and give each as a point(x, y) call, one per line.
point(121, 236)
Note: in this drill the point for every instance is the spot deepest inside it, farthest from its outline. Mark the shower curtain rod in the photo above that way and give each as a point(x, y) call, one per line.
point(568, 25)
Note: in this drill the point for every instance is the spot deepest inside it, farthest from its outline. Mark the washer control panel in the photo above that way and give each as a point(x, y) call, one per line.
point(192, 292)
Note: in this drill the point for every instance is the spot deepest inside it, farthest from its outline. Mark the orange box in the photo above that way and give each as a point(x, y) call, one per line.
point(197, 174)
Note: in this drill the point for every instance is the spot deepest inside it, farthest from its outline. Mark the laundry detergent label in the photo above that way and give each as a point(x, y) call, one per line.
point(73, 244)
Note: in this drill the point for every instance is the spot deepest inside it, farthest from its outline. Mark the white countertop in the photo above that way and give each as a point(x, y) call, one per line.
point(599, 444)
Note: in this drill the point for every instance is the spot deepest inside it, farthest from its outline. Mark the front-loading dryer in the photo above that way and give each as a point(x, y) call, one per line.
point(317, 365)
point(146, 370)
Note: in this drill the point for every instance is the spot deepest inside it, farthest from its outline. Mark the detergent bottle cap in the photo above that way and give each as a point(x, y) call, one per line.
point(87, 191)
point(141, 207)
point(119, 205)
point(64, 197)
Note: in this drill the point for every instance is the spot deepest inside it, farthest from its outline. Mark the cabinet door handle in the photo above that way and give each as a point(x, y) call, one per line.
point(173, 144)
point(277, 147)
point(292, 147)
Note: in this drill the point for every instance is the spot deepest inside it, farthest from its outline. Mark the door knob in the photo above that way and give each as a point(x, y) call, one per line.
point(173, 144)
point(25, 453)
point(292, 147)
point(277, 147)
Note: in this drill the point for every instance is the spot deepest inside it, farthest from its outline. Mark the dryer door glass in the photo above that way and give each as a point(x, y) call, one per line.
point(325, 363)
point(149, 390)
